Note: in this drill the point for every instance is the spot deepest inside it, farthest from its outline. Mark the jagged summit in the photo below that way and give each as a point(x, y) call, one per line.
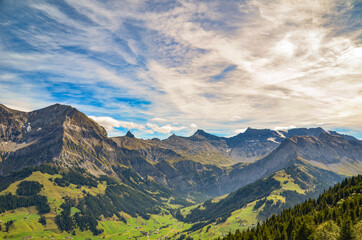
point(202, 133)
point(55, 109)
point(58, 106)
point(129, 134)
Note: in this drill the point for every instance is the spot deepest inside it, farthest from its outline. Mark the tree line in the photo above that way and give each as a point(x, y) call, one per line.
point(336, 214)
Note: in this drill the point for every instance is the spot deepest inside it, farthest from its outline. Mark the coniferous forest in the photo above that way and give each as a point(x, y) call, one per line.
point(336, 214)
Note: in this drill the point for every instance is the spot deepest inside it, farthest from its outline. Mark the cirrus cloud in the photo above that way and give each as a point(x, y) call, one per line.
point(220, 65)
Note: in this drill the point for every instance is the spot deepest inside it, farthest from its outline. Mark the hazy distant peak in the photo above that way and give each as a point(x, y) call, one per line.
point(305, 131)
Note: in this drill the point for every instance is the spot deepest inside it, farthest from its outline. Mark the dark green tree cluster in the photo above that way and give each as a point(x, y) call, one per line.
point(64, 219)
point(42, 220)
point(338, 208)
point(117, 198)
point(5, 181)
point(108, 180)
point(259, 203)
point(10, 202)
point(46, 168)
point(8, 224)
point(77, 178)
point(29, 188)
point(27, 191)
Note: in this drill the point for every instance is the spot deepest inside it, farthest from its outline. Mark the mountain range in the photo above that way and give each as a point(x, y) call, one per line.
point(200, 180)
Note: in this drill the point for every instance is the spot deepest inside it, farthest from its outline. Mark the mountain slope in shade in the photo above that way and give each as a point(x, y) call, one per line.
point(283, 189)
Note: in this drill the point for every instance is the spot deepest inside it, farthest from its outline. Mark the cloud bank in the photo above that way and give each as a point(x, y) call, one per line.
point(171, 66)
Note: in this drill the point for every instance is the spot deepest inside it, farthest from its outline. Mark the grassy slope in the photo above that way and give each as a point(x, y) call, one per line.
point(26, 219)
point(246, 217)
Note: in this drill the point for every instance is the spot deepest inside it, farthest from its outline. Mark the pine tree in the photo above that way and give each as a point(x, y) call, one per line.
point(347, 231)
point(304, 232)
point(327, 231)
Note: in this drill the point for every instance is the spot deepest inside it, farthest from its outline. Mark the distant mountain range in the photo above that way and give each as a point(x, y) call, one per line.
point(185, 169)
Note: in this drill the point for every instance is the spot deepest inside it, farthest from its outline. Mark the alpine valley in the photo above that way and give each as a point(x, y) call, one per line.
point(61, 176)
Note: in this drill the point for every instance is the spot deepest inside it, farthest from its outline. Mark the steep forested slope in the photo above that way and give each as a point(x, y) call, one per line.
point(267, 196)
point(336, 214)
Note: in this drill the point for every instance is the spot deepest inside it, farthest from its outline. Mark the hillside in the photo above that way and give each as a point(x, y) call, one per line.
point(76, 203)
point(336, 214)
point(257, 201)
point(199, 166)
point(88, 185)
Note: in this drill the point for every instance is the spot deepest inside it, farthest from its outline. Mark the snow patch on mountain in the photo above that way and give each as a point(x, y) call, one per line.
point(272, 140)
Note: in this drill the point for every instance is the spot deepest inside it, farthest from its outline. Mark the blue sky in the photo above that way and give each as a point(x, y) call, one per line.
point(163, 67)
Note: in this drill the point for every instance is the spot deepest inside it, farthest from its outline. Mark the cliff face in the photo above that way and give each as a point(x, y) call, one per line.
point(59, 134)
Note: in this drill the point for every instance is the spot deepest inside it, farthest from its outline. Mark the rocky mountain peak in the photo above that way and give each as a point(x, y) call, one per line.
point(56, 110)
point(129, 134)
point(206, 135)
point(200, 132)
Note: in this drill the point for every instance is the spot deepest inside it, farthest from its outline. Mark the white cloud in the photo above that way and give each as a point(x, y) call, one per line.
point(163, 129)
point(110, 123)
point(290, 65)
point(284, 128)
point(158, 120)
point(193, 125)
point(235, 118)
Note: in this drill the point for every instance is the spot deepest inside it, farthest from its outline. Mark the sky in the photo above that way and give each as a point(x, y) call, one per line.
point(163, 67)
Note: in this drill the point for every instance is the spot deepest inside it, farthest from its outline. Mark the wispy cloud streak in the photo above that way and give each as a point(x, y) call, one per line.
point(219, 65)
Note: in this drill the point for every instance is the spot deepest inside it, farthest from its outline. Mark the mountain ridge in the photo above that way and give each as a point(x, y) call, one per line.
point(199, 163)
point(60, 146)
